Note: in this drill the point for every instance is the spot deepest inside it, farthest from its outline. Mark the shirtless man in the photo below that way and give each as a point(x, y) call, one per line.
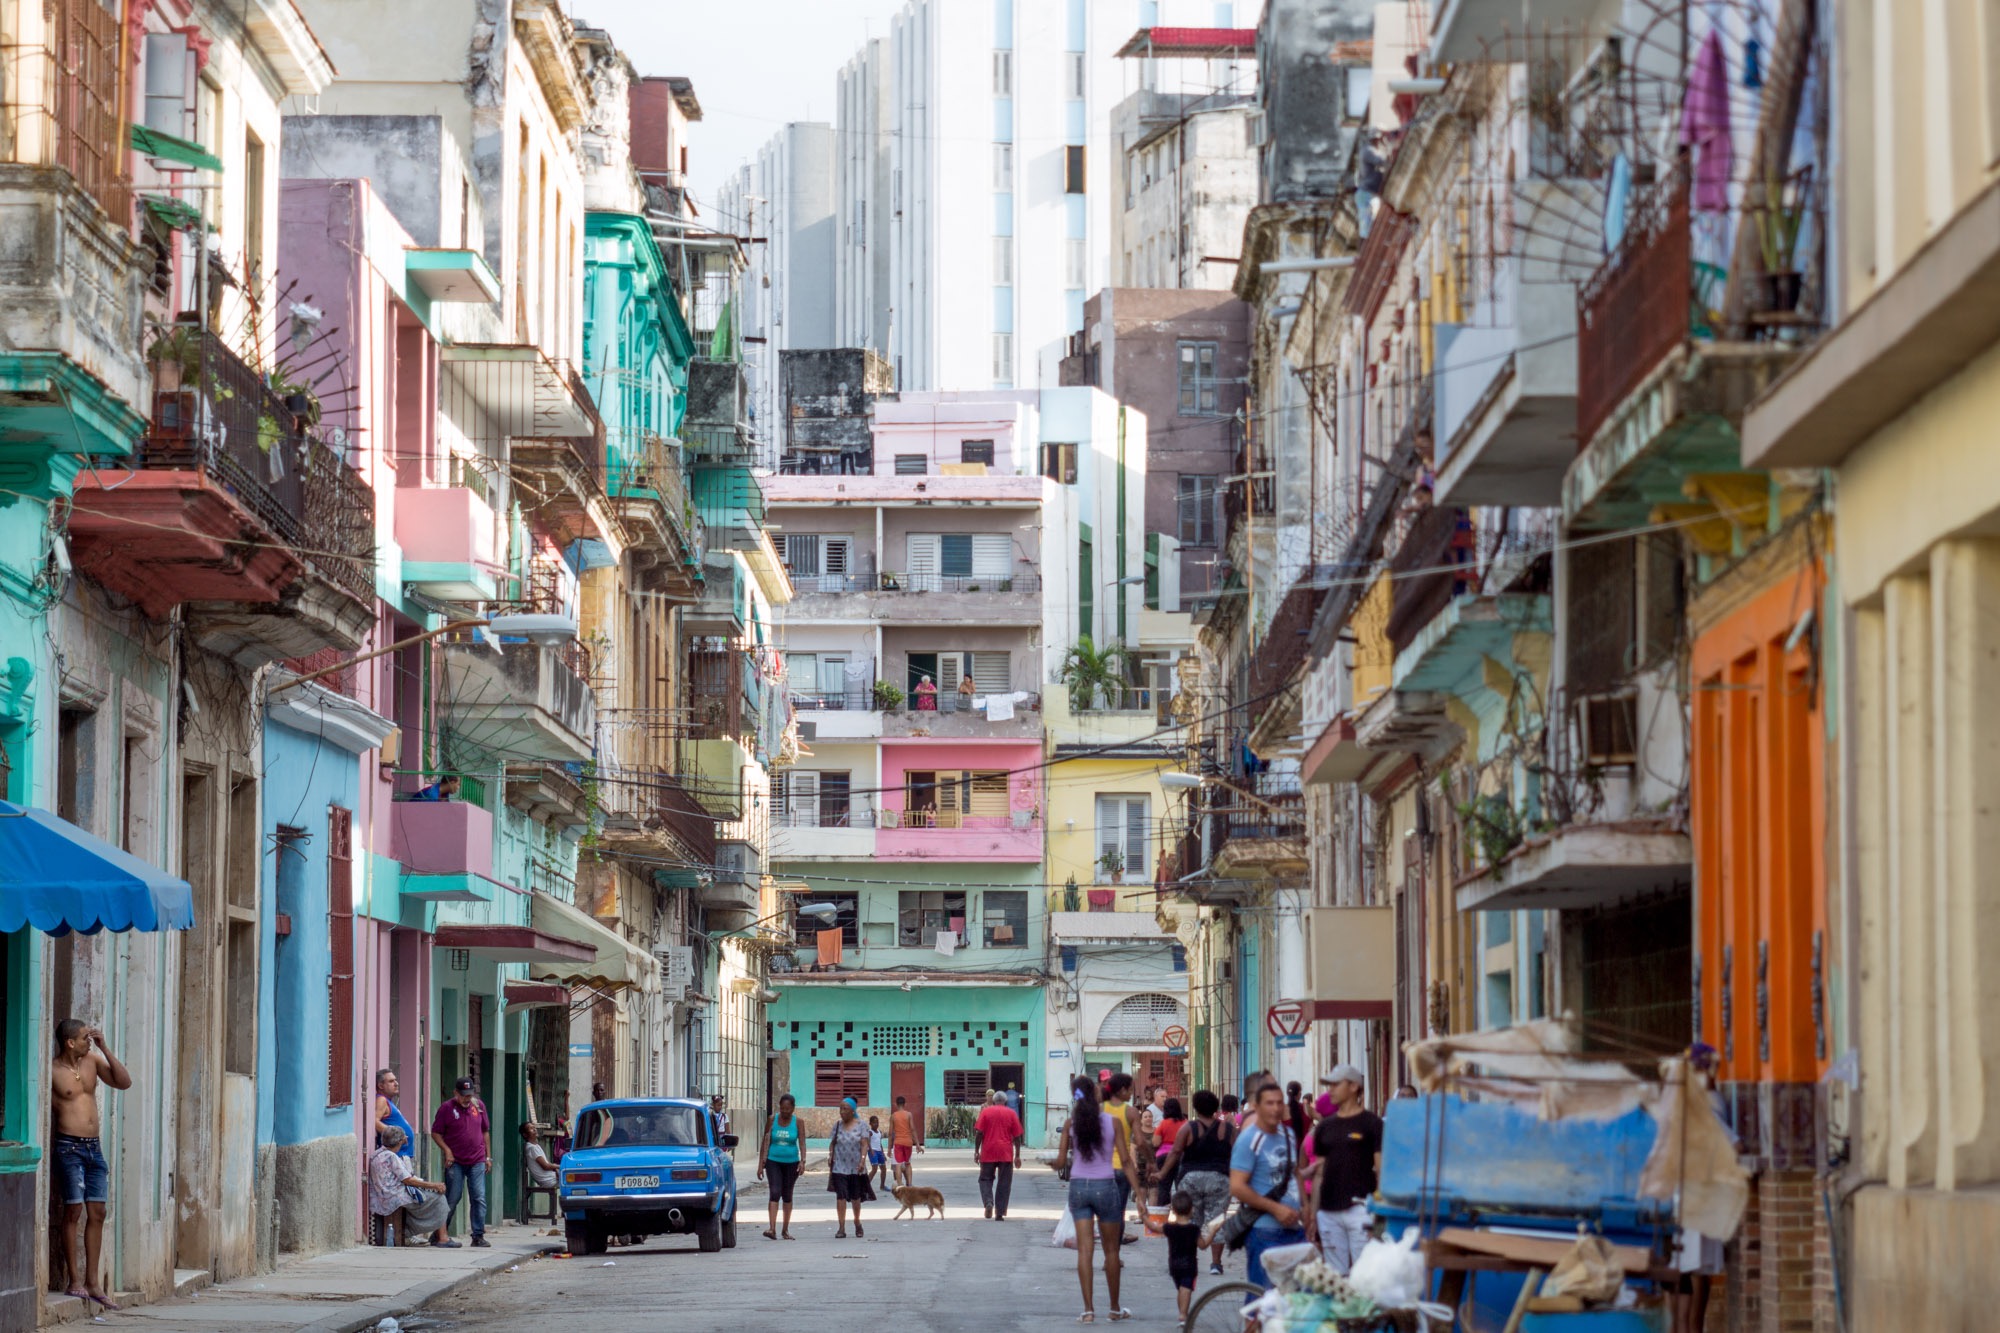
point(82, 1062)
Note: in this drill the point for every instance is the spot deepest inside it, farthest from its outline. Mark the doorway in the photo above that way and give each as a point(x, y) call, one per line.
point(1005, 1076)
point(906, 1080)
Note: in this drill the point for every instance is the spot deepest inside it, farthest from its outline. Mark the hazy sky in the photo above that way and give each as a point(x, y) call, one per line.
point(755, 63)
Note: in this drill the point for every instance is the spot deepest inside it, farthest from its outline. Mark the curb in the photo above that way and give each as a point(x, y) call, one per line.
point(412, 1299)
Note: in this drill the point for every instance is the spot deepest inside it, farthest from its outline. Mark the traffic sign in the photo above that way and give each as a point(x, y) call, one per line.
point(1291, 1041)
point(1175, 1036)
point(1286, 1018)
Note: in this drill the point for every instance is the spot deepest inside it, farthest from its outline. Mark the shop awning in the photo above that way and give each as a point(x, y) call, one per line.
point(510, 944)
point(164, 147)
point(537, 995)
point(615, 962)
point(58, 878)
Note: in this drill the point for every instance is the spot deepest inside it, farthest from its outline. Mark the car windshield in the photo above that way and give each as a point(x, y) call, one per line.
point(616, 1126)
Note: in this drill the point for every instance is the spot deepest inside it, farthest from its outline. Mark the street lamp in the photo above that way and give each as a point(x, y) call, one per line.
point(824, 913)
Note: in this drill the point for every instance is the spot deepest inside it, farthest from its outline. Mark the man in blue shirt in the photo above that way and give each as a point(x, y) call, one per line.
point(1264, 1177)
point(443, 789)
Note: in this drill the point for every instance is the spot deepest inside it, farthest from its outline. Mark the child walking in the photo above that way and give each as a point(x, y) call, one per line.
point(878, 1157)
point(1183, 1248)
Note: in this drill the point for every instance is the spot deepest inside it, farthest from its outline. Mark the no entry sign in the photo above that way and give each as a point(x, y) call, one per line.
point(1286, 1018)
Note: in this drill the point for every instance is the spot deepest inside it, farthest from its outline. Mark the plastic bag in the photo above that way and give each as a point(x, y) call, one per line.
point(1065, 1237)
point(1390, 1272)
point(1590, 1271)
point(1280, 1260)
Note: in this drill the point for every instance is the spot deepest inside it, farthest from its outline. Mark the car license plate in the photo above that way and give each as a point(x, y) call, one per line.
point(637, 1182)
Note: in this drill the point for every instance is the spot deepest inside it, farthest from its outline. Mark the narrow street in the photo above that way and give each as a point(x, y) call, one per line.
point(959, 1273)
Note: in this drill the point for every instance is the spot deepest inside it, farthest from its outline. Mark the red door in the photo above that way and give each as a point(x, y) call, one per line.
point(906, 1080)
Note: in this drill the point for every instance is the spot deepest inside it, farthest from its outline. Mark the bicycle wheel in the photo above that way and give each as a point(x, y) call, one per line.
point(1220, 1308)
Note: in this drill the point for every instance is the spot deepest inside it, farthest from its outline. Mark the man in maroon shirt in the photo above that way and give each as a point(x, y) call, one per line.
point(999, 1133)
point(463, 1132)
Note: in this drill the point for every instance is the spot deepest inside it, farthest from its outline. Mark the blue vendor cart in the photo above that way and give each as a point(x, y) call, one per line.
point(1498, 1195)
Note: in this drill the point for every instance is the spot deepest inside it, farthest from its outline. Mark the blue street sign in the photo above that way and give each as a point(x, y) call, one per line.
point(579, 1050)
point(1290, 1041)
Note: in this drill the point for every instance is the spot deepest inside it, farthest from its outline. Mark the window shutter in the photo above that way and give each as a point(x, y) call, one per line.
point(950, 667)
point(923, 561)
point(802, 797)
point(1135, 834)
point(802, 554)
point(955, 555)
point(989, 794)
point(990, 672)
point(169, 84)
point(992, 555)
point(1109, 820)
point(836, 552)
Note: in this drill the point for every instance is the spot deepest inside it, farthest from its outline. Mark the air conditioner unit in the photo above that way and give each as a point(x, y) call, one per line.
point(676, 970)
point(808, 732)
point(1607, 729)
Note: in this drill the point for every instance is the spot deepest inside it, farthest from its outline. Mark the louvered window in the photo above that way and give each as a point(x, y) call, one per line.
point(835, 1079)
point(965, 1087)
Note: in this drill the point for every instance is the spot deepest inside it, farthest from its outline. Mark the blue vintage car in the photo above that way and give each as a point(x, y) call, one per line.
point(647, 1166)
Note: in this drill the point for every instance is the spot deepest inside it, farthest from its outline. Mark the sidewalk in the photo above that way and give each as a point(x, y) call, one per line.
point(335, 1293)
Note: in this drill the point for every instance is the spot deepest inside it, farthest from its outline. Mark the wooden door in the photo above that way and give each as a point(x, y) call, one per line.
point(906, 1080)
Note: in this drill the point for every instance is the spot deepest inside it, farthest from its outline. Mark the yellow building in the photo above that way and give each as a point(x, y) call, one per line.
point(1900, 398)
point(1118, 989)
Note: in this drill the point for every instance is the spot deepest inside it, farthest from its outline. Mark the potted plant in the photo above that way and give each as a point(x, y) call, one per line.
point(1112, 863)
point(1092, 672)
point(1778, 232)
point(887, 697)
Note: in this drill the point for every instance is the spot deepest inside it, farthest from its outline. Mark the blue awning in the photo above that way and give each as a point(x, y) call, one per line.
point(57, 878)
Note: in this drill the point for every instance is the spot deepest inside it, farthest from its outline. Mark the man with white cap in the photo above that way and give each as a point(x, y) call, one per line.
point(1347, 1153)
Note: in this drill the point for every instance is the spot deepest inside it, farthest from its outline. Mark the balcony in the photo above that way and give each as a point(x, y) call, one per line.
point(446, 535)
point(649, 812)
point(1259, 833)
point(1660, 397)
point(823, 833)
point(1506, 383)
point(519, 700)
point(549, 794)
point(1432, 565)
point(899, 597)
point(732, 894)
point(441, 838)
point(513, 402)
point(1472, 31)
point(1490, 653)
point(232, 500)
point(1581, 866)
point(951, 835)
point(956, 718)
point(648, 490)
point(715, 425)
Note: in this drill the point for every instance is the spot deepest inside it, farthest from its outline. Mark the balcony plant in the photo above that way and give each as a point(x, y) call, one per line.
point(1112, 863)
point(1779, 225)
point(1092, 672)
point(887, 697)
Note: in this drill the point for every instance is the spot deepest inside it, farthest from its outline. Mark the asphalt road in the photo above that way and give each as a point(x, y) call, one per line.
point(959, 1273)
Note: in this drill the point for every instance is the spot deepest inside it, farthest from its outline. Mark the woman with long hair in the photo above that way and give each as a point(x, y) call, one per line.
point(1090, 1138)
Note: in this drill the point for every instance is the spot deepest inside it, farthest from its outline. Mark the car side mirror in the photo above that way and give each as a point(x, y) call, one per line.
point(729, 1140)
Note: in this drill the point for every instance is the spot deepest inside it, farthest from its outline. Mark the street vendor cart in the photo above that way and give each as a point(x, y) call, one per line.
point(1551, 1192)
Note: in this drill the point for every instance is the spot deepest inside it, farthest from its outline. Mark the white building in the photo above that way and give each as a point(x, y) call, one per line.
point(783, 203)
point(974, 194)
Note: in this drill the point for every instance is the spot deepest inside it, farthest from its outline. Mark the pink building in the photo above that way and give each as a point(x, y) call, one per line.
point(950, 800)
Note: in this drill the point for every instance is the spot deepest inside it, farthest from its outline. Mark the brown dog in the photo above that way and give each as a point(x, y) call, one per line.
point(912, 1195)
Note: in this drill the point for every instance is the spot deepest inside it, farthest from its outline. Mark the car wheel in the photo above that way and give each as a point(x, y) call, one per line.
point(576, 1236)
point(708, 1233)
point(729, 1231)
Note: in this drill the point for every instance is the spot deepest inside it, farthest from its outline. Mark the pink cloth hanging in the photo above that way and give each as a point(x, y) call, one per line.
point(1705, 126)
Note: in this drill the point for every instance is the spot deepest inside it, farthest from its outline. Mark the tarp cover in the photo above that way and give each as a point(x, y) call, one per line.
point(58, 878)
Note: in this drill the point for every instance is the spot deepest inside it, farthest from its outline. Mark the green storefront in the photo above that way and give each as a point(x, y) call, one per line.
point(939, 1044)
